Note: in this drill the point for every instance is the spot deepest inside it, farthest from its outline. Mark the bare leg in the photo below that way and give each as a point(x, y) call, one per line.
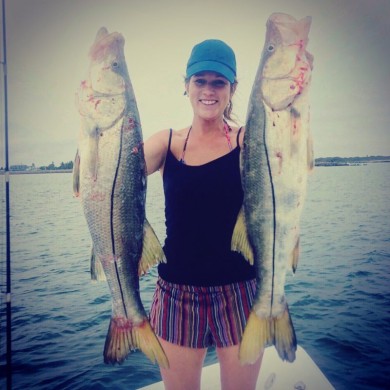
point(185, 366)
point(234, 375)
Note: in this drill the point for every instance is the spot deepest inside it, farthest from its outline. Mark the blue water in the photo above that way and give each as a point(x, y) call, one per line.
point(339, 298)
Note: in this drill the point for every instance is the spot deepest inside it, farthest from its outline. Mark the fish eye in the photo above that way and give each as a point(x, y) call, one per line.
point(271, 48)
point(115, 64)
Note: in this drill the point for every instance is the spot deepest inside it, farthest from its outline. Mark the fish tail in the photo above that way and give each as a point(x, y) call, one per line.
point(122, 338)
point(257, 335)
point(285, 340)
point(262, 332)
point(148, 343)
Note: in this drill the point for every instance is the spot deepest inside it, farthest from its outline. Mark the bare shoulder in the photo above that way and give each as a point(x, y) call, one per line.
point(160, 137)
point(179, 134)
point(178, 139)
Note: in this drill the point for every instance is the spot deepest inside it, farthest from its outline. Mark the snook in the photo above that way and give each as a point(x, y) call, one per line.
point(110, 177)
point(275, 161)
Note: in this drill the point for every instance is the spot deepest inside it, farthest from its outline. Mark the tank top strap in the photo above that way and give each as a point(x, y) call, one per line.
point(170, 139)
point(238, 136)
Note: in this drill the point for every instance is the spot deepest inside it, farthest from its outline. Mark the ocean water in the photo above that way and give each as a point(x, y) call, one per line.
point(339, 297)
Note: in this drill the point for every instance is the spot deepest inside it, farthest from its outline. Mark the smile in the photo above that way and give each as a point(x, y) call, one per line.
point(208, 102)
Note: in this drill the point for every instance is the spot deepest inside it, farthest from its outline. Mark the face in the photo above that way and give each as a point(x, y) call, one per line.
point(209, 94)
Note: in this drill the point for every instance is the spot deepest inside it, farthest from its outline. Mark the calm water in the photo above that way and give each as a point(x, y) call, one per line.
point(339, 297)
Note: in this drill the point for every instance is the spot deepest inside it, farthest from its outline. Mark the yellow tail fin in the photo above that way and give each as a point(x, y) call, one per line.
point(122, 338)
point(285, 340)
point(257, 335)
point(262, 332)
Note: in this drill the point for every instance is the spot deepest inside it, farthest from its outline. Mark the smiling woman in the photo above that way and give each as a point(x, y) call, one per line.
point(210, 89)
point(204, 290)
point(213, 55)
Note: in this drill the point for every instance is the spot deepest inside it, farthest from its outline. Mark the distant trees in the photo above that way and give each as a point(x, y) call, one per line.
point(68, 165)
point(51, 167)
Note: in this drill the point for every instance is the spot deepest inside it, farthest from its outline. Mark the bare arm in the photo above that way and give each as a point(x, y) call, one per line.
point(155, 149)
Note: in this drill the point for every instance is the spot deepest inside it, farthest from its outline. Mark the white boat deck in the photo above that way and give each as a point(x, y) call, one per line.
point(275, 374)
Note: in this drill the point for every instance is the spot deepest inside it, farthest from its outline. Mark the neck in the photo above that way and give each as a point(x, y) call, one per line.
point(204, 127)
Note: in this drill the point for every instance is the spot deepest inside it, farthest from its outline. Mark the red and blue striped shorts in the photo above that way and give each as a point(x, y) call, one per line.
point(199, 317)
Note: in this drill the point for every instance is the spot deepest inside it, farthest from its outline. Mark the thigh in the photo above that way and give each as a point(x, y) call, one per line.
point(233, 374)
point(185, 366)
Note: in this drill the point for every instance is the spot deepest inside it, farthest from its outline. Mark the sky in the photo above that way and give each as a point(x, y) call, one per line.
point(48, 42)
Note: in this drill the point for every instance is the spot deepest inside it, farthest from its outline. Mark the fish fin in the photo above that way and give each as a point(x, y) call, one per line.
point(102, 33)
point(262, 332)
point(240, 241)
point(257, 335)
point(285, 340)
point(97, 270)
point(310, 58)
point(295, 257)
point(76, 175)
point(310, 153)
point(94, 155)
point(152, 252)
point(122, 338)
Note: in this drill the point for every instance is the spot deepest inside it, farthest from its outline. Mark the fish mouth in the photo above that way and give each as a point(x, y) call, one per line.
point(208, 102)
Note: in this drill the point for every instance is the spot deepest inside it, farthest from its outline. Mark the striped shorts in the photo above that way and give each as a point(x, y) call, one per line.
point(199, 317)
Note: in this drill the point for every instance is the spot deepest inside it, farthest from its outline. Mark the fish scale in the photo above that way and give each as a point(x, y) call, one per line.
point(110, 178)
point(275, 160)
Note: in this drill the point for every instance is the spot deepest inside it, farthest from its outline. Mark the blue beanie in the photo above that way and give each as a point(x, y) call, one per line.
point(212, 55)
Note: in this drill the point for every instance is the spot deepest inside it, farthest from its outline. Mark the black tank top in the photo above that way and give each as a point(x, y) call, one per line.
point(201, 207)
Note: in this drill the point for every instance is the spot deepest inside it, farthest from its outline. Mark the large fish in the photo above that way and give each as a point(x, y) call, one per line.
point(276, 158)
point(110, 177)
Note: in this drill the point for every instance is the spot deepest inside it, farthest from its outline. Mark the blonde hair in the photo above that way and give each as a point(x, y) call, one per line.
point(228, 112)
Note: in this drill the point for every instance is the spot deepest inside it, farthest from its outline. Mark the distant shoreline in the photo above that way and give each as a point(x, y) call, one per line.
point(349, 161)
point(319, 162)
point(38, 172)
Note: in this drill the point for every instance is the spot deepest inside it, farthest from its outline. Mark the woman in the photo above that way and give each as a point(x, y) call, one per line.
point(204, 291)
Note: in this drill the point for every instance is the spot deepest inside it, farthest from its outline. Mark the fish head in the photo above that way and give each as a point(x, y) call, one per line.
point(286, 65)
point(108, 70)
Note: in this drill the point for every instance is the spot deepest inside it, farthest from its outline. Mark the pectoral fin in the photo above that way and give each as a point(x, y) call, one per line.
point(97, 270)
point(94, 155)
point(152, 252)
point(295, 257)
point(76, 175)
point(240, 241)
point(310, 154)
